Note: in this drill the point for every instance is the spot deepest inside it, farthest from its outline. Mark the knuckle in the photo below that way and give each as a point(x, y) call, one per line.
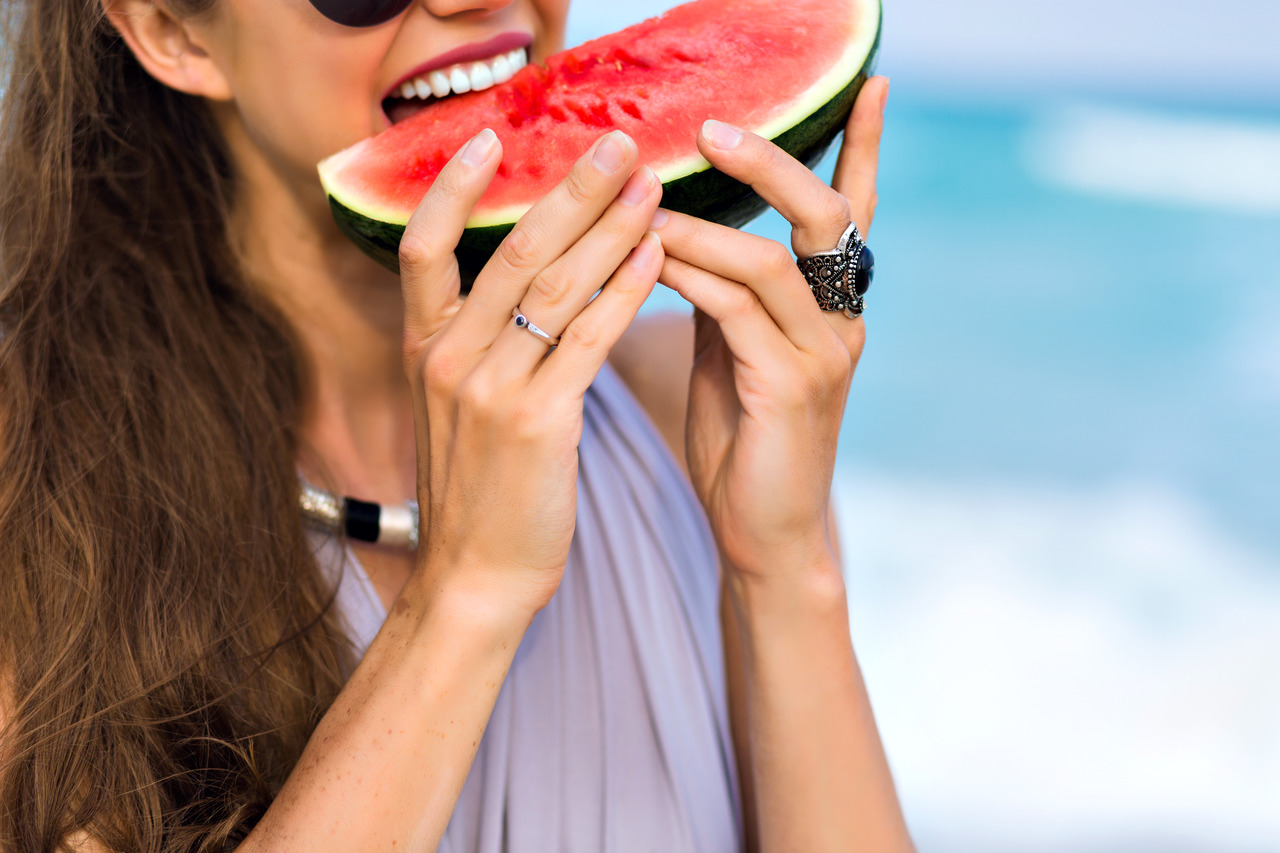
point(765, 156)
point(777, 261)
point(414, 253)
point(440, 369)
point(520, 250)
point(578, 188)
point(553, 286)
point(476, 398)
point(836, 211)
point(630, 285)
point(744, 303)
point(583, 335)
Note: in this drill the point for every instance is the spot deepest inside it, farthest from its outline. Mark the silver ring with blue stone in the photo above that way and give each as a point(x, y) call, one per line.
point(841, 277)
point(523, 322)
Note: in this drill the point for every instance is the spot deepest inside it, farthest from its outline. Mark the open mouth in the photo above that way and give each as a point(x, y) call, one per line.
point(458, 79)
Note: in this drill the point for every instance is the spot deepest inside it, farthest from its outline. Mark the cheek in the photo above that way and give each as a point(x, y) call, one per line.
point(303, 101)
point(552, 14)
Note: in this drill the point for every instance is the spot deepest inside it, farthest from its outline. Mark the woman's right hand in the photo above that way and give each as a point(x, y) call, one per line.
point(498, 420)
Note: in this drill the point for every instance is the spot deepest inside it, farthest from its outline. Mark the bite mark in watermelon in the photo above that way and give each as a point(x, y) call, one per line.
point(788, 71)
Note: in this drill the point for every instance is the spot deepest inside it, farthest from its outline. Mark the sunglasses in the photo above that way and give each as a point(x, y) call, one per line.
point(360, 13)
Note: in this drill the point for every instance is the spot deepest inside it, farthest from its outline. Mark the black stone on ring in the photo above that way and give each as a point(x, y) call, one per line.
point(841, 277)
point(523, 322)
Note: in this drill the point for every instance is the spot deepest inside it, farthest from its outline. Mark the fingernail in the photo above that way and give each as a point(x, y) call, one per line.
point(638, 187)
point(479, 148)
point(660, 218)
point(643, 254)
point(884, 96)
point(721, 135)
point(611, 151)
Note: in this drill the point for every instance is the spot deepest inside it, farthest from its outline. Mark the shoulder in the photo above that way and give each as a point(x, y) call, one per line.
point(654, 358)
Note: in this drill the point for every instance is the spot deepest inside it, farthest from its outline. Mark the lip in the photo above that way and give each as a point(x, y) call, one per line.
point(502, 43)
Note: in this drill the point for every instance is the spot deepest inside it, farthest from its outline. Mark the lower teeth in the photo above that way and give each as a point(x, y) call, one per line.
point(398, 109)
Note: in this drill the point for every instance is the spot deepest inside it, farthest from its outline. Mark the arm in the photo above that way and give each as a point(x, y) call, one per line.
point(654, 358)
point(821, 776)
point(766, 398)
point(387, 762)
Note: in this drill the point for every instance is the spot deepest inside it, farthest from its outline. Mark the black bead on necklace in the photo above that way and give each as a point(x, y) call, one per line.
point(395, 525)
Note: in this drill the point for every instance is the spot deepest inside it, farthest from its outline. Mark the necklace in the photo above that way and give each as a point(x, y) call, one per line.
point(385, 524)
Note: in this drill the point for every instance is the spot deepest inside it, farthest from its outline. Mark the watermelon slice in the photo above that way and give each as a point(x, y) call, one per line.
point(788, 70)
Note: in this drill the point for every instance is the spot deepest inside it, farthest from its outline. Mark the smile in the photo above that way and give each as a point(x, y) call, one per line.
point(473, 68)
point(465, 77)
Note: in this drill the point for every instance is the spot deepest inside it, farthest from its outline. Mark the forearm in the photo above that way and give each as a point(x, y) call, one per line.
point(388, 760)
point(821, 778)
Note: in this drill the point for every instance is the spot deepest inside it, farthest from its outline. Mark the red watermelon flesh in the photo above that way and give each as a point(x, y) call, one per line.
point(764, 65)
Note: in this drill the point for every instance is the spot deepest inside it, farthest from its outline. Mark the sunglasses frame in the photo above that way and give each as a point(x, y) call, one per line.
point(359, 14)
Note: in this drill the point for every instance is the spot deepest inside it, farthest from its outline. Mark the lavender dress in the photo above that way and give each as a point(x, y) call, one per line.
point(611, 731)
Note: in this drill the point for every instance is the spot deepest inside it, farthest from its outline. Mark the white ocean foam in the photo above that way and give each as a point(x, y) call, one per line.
point(1231, 166)
point(1067, 671)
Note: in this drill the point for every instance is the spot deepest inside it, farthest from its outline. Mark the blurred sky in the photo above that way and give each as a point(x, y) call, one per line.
point(1224, 51)
point(1211, 51)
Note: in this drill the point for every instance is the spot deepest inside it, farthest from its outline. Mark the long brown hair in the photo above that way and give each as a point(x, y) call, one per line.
point(167, 640)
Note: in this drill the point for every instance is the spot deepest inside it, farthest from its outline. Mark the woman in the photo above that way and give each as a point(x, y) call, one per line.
point(186, 332)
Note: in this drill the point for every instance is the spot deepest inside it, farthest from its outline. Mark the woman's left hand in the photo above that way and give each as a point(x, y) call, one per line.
point(771, 370)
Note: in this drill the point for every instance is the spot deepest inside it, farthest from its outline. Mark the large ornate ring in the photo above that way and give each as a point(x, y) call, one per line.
point(839, 278)
point(523, 322)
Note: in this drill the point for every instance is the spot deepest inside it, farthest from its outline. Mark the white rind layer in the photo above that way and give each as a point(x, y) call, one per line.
point(864, 26)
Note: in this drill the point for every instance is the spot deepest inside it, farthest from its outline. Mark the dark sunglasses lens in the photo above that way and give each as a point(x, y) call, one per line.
point(360, 13)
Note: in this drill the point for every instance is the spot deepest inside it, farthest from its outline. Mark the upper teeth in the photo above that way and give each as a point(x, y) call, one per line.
point(465, 77)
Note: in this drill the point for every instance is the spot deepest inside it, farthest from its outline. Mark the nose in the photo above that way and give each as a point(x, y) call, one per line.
point(448, 8)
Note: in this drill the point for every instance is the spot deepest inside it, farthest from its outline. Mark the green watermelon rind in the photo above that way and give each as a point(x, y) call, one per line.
point(708, 194)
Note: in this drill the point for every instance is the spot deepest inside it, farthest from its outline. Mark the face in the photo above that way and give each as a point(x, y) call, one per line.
point(303, 87)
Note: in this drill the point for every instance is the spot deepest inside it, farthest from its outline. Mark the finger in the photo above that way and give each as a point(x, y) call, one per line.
point(748, 330)
point(817, 213)
point(559, 292)
point(766, 266)
point(428, 269)
point(859, 161)
point(550, 227)
point(588, 339)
